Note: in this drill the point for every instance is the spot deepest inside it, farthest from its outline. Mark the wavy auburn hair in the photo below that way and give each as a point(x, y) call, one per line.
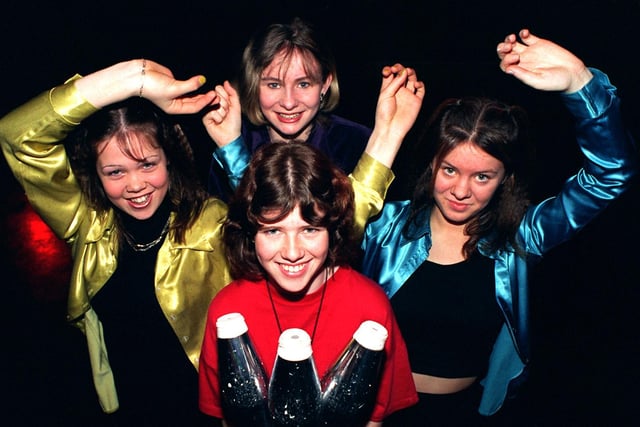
point(281, 176)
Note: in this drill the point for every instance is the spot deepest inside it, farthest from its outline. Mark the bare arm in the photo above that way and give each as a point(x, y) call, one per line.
point(146, 78)
point(399, 102)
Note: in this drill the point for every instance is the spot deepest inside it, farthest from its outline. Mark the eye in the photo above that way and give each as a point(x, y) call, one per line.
point(273, 85)
point(448, 170)
point(149, 165)
point(482, 177)
point(113, 173)
point(304, 85)
point(269, 231)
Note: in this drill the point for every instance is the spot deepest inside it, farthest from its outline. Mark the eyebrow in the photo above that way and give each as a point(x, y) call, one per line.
point(486, 171)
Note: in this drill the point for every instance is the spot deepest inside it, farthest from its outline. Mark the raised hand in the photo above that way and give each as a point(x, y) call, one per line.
point(399, 103)
point(146, 78)
point(223, 121)
point(542, 64)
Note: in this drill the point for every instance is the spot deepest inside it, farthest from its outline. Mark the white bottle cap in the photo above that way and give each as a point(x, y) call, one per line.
point(371, 335)
point(231, 325)
point(294, 345)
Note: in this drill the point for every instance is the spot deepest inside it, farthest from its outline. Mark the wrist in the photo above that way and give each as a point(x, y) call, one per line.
point(582, 77)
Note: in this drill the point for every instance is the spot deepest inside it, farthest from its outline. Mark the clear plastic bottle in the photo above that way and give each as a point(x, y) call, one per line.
point(294, 388)
point(243, 381)
point(350, 386)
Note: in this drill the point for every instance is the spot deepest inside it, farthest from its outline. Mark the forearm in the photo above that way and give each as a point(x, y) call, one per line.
point(234, 159)
point(384, 146)
point(112, 84)
point(608, 147)
point(371, 180)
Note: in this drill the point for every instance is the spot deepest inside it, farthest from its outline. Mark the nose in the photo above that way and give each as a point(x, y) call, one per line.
point(292, 250)
point(460, 189)
point(135, 183)
point(288, 99)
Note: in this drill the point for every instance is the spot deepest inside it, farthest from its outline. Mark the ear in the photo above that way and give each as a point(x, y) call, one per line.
point(327, 83)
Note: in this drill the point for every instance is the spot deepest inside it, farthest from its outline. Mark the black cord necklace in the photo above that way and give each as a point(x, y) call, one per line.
point(315, 325)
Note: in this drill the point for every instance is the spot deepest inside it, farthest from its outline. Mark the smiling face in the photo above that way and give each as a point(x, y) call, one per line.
point(290, 95)
point(465, 182)
point(293, 253)
point(136, 186)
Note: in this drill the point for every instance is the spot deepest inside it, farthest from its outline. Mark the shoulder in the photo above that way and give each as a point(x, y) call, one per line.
point(360, 284)
point(393, 213)
point(338, 124)
point(205, 232)
point(214, 208)
point(238, 294)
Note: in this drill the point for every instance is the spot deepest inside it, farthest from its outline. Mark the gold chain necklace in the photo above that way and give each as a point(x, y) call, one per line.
point(315, 325)
point(142, 247)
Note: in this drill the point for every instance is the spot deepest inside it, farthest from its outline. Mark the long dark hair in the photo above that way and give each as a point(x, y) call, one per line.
point(280, 177)
point(139, 117)
point(500, 130)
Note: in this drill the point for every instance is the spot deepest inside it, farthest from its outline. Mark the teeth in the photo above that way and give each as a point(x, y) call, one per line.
point(142, 199)
point(289, 116)
point(292, 268)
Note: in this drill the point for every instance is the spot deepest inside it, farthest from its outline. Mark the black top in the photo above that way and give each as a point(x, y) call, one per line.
point(449, 317)
point(156, 382)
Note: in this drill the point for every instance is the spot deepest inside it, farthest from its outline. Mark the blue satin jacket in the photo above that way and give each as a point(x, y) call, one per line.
point(610, 163)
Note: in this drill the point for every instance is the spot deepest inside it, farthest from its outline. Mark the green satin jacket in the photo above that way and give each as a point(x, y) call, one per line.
point(187, 275)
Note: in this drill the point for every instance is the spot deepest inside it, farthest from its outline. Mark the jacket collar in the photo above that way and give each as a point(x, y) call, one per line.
point(420, 227)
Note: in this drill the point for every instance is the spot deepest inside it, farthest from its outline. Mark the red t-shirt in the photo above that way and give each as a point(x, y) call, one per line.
point(350, 299)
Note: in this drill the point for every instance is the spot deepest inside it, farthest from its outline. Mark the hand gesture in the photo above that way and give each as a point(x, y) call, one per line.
point(399, 103)
point(224, 119)
point(542, 64)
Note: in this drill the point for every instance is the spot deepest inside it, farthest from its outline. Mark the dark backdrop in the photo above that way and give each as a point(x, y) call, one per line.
point(584, 294)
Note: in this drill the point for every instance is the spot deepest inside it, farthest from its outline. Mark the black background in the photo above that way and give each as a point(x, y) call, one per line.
point(584, 294)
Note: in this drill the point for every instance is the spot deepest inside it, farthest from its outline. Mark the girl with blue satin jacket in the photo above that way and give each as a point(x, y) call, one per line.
point(454, 260)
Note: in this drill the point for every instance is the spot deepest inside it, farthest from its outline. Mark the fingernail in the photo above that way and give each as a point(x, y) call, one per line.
point(202, 80)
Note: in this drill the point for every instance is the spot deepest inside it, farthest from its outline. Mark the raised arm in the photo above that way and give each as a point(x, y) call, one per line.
point(542, 64)
point(610, 155)
point(148, 79)
point(399, 103)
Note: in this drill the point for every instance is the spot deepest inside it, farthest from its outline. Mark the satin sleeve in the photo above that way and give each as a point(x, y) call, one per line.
point(610, 163)
point(31, 137)
point(234, 159)
point(370, 180)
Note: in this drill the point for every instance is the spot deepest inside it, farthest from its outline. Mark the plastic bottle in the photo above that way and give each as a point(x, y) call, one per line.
point(243, 381)
point(294, 388)
point(350, 386)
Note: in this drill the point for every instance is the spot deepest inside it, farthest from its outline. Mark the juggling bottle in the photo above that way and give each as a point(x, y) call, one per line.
point(294, 388)
point(243, 381)
point(350, 386)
